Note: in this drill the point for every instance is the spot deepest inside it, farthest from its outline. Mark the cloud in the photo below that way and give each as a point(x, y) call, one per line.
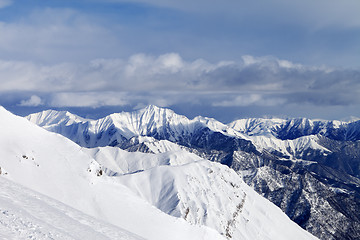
point(214, 30)
point(33, 101)
point(111, 98)
point(55, 34)
point(320, 13)
point(250, 100)
point(88, 99)
point(168, 79)
point(5, 3)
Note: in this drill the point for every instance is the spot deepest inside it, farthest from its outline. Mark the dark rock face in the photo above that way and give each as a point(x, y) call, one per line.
point(318, 198)
point(296, 128)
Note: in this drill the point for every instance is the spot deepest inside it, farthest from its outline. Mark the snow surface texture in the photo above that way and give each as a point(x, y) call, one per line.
point(177, 183)
point(25, 214)
point(116, 161)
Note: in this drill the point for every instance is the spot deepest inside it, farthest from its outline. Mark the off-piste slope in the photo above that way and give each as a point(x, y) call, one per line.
point(310, 169)
point(211, 194)
point(183, 185)
point(26, 214)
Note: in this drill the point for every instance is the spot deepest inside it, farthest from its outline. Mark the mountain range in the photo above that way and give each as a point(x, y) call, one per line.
point(137, 186)
point(308, 168)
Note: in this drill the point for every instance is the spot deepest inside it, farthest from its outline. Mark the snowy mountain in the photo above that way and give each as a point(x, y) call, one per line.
point(124, 129)
point(115, 128)
point(170, 195)
point(309, 168)
point(299, 127)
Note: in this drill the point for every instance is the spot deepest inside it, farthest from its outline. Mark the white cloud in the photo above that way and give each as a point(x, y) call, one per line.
point(113, 98)
point(5, 3)
point(88, 99)
point(53, 35)
point(33, 101)
point(250, 100)
point(240, 101)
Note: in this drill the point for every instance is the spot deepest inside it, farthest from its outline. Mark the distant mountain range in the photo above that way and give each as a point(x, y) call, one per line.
point(308, 168)
point(52, 188)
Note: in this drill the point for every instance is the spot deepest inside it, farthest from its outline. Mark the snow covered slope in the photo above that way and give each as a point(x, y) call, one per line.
point(116, 161)
point(211, 194)
point(54, 166)
point(25, 214)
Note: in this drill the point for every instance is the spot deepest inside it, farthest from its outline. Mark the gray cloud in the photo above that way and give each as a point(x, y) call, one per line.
point(244, 100)
point(168, 79)
point(211, 29)
point(319, 14)
point(88, 99)
point(33, 101)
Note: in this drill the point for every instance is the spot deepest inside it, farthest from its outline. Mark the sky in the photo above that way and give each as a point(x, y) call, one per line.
point(226, 59)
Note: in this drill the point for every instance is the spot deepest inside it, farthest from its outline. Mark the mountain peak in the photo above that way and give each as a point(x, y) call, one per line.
point(48, 117)
point(155, 109)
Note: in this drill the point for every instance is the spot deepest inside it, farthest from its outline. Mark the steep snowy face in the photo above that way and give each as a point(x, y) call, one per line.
point(205, 193)
point(154, 121)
